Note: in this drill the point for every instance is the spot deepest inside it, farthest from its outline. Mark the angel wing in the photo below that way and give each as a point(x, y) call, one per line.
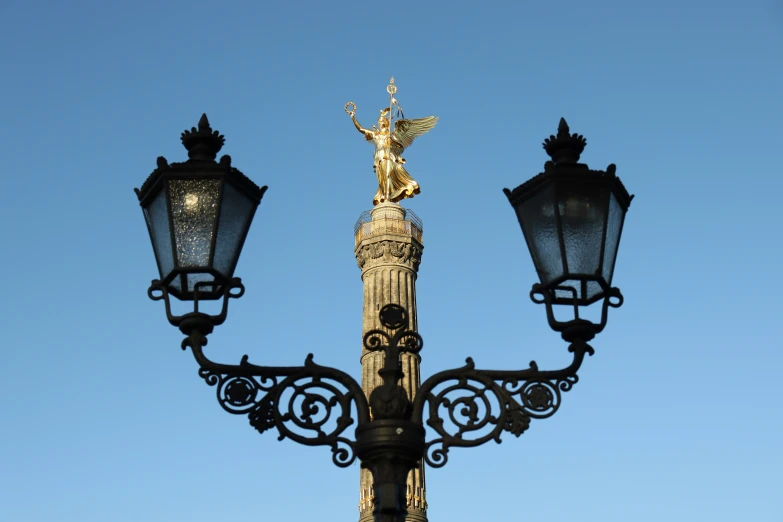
point(405, 131)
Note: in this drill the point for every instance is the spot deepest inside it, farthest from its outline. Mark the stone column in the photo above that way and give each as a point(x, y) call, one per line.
point(388, 250)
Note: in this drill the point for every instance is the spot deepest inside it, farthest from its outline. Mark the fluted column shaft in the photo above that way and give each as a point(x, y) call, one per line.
point(389, 252)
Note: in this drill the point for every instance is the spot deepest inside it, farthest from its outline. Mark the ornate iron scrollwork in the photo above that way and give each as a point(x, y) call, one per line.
point(309, 404)
point(312, 404)
point(468, 407)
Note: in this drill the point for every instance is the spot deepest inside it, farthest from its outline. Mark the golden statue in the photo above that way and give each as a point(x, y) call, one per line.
point(394, 182)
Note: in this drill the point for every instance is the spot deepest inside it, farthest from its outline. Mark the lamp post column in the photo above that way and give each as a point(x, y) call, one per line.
point(388, 251)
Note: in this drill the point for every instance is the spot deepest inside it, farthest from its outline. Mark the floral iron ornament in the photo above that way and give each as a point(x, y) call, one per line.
point(465, 406)
point(312, 404)
point(394, 182)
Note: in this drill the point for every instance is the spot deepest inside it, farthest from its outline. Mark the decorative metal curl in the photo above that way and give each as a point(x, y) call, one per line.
point(477, 406)
point(238, 394)
point(539, 398)
point(312, 404)
point(390, 400)
point(393, 317)
point(309, 404)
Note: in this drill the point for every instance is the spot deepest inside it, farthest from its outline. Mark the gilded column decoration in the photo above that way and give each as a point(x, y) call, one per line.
point(394, 182)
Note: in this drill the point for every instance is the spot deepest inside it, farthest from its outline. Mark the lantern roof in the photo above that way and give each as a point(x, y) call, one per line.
point(202, 144)
point(565, 150)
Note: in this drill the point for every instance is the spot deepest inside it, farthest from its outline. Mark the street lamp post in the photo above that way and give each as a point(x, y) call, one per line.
point(198, 213)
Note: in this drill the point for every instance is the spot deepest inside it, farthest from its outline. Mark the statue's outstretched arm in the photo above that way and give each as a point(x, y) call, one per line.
point(367, 133)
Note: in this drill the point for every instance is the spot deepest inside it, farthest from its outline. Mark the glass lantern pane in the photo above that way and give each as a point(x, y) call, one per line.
point(537, 216)
point(176, 283)
point(236, 210)
point(569, 290)
point(157, 216)
point(581, 210)
point(583, 290)
point(613, 227)
point(192, 279)
point(593, 289)
point(194, 205)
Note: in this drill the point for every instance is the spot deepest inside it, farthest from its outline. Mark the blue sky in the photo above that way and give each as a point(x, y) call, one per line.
point(678, 415)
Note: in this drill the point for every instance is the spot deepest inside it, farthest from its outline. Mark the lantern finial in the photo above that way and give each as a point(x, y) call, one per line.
point(566, 147)
point(203, 143)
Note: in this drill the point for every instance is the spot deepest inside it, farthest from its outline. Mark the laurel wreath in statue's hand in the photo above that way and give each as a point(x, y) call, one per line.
point(352, 109)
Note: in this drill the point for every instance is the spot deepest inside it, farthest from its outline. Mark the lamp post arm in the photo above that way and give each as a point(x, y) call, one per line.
point(309, 404)
point(478, 405)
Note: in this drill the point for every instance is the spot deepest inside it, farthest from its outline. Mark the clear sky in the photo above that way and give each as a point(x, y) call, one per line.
point(676, 418)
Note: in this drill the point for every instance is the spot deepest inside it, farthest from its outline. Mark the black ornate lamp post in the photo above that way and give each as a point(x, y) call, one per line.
point(198, 214)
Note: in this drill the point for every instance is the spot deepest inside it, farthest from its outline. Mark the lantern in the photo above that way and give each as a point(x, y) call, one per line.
point(572, 218)
point(198, 214)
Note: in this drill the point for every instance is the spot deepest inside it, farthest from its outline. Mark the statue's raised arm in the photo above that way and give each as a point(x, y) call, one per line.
point(350, 108)
point(394, 182)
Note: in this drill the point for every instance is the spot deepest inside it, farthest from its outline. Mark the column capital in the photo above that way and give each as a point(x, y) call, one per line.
point(388, 235)
point(385, 251)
